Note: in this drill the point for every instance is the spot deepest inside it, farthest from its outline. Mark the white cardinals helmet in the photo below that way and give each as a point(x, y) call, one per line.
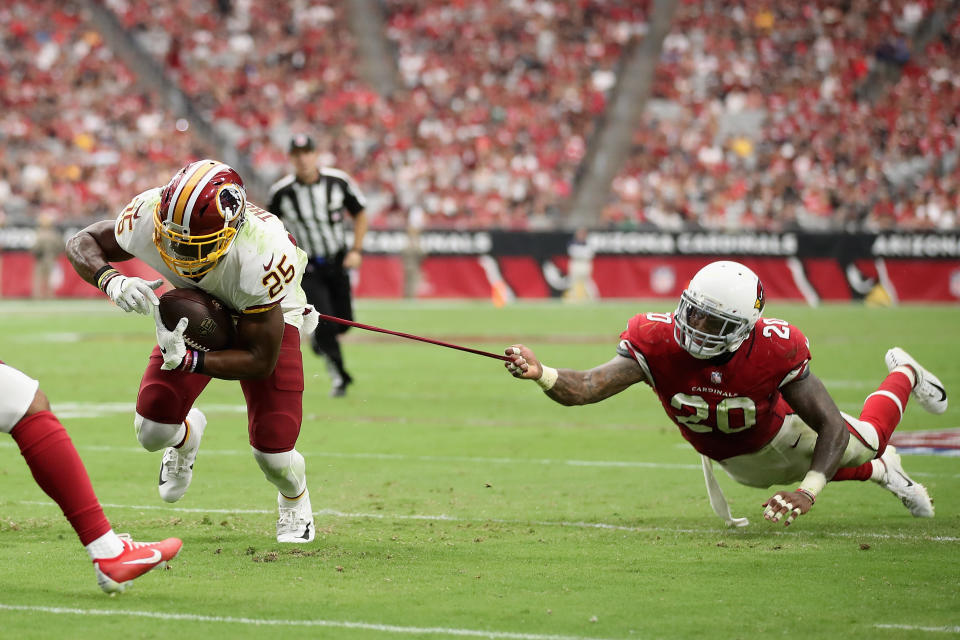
point(718, 309)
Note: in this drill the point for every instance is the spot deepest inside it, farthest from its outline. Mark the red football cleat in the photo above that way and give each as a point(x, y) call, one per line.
point(116, 574)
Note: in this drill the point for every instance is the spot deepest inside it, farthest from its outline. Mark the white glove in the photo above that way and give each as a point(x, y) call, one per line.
point(172, 347)
point(133, 294)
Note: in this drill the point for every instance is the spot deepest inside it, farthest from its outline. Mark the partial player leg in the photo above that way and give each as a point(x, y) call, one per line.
point(325, 343)
point(882, 412)
point(58, 470)
point(287, 471)
point(341, 298)
point(176, 466)
point(888, 472)
point(321, 290)
point(115, 573)
point(883, 409)
point(49, 453)
point(275, 410)
point(166, 420)
point(927, 388)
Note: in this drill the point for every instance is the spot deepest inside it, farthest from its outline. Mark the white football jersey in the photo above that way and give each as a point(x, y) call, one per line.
point(262, 268)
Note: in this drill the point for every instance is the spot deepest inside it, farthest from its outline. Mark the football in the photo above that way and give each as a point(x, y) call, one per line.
point(210, 326)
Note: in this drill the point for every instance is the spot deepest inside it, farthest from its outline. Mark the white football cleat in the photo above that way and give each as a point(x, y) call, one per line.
point(295, 523)
point(912, 494)
point(928, 390)
point(176, 468)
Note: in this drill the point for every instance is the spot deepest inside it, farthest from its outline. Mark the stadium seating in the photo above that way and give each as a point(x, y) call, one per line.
point(497, 99)
point(764, 118)
point(78, 137)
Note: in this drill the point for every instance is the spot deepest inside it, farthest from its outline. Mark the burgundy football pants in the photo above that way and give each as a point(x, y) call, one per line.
point(274, 403)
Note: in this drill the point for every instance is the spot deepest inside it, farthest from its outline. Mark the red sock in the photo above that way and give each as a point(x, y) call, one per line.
point(863, 472)
point(884, 407)
point(58, 470)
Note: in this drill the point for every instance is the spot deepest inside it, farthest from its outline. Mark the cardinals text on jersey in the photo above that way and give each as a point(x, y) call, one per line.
point(723, 407)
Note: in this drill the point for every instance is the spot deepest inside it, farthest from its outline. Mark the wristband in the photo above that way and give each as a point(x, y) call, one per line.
point(548, 378)
point(187, 363)
point(192, 361)
point(105, 274)
point(813, 483)
point(809, 495)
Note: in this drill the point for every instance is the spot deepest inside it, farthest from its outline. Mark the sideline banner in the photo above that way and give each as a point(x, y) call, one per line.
point(888, 267)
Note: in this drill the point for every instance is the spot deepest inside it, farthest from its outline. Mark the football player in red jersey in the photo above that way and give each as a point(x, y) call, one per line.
point(25, 414)
point(740, 389)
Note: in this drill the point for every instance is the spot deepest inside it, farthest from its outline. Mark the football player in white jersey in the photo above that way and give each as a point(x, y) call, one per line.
point(199, 231)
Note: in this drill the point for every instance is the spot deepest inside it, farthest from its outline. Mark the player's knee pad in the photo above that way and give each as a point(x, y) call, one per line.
point(863, 445)
point(286, 470)
point(153, 435)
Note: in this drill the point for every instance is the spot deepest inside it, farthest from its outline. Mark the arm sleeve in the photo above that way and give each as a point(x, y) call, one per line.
point(353, 198)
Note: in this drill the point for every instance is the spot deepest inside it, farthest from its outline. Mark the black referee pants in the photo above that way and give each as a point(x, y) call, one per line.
point(328, 289)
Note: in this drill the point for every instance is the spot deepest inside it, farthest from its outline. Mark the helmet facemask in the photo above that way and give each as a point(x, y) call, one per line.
point(204, 234)
point(705, 331)
point(718, 310)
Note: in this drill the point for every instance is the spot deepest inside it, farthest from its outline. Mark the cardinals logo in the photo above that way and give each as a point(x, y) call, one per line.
point(758, 305)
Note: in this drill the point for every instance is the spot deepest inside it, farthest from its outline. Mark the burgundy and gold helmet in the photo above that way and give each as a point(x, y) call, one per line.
point(199, 214)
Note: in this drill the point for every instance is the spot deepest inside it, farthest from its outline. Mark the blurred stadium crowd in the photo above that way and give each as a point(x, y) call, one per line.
point(816, 115)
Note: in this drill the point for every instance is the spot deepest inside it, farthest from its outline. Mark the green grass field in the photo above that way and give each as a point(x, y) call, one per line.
point(455, 501)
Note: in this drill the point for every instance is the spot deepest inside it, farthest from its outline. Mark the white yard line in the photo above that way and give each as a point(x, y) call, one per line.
point(628, 464)
point(910, 627)
point(363, 626)
point(418, 458)
point(267, 622)
point(333, 513)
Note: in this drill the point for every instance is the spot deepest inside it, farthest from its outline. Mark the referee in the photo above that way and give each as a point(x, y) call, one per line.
point(313, 203)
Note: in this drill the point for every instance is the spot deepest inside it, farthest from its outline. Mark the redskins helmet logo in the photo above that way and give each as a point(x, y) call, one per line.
point(758, 305)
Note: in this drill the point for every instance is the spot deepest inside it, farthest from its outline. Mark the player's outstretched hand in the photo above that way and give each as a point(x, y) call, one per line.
point(523, 364)
point(133, 294)
point(786, 504)
point(172, 347)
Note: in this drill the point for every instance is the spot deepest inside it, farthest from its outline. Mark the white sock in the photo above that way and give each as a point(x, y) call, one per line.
point(286, 471)
point(909, 372)
point(879, 470)
point(106, 546)
point(184, 433)
point(290, 502)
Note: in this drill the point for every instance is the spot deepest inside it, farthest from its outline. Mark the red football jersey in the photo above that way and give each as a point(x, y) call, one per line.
point(726, 409)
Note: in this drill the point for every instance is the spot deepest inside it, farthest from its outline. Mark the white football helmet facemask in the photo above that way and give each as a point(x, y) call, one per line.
point(718, 309)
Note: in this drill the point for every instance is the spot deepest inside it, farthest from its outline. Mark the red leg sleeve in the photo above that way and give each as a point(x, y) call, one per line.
point(884, 407)
point(58, 469)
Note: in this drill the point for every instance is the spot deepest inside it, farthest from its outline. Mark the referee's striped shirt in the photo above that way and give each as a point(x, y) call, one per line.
point(314, 213)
